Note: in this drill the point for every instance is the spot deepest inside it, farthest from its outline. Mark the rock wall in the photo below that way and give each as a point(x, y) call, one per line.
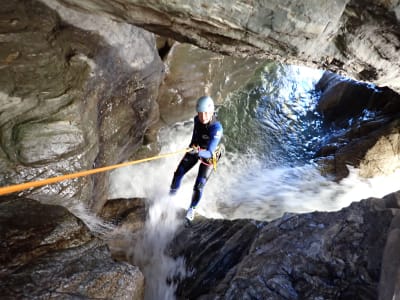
point(192, 72)
point(355, 38)
point(77, 92)
point(319, 255)
point(363, 127)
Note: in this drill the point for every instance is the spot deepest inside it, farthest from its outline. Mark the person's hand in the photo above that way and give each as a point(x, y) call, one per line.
point(204, 154)
point(195, 150)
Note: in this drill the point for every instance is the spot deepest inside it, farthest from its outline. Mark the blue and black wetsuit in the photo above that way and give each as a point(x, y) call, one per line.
point(207, 137)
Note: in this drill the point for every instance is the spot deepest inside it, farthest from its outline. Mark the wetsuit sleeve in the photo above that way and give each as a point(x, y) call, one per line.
point(216, 132)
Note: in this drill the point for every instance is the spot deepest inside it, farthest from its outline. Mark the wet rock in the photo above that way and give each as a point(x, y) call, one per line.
point(373, 153)
point(212, 250)
point(319, 255)
point(48, 253)
point(343, 99)
point(128, 216)
point(78, 91)
point(129, 211)
point(389, 285)
point(347, 37)
point(364, 127)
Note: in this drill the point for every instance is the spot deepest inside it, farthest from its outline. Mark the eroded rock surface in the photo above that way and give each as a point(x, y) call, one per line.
point(358, 39)
point(48, 253)
point(128, 216)
point(364, 127)
point(319, 255)
point(77, 91)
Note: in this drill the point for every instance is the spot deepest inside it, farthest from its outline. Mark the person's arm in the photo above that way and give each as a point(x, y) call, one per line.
point(216, 132)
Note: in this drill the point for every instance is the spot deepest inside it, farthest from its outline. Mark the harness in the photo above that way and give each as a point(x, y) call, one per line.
point(215, 157)
point(200, 143)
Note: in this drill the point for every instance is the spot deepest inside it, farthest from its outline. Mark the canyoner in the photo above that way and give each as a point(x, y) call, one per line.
point(206, 148)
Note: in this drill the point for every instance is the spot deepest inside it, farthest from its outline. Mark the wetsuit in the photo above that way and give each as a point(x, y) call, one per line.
point(207, 137)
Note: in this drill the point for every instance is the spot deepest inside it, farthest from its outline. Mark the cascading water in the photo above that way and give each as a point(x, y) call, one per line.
point(271, 131)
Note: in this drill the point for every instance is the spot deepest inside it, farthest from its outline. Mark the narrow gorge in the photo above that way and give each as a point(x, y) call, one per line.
point(91, 83)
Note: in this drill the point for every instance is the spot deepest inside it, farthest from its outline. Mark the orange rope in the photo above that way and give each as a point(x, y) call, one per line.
point(24, 186)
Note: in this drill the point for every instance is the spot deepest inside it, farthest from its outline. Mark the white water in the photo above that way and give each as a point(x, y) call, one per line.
point(240, 188)
point(148, 251)
point(243, 186)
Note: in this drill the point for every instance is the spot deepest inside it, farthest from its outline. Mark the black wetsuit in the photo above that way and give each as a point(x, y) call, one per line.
point(207, 137)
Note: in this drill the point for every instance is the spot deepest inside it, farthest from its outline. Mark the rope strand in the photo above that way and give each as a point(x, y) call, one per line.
point(24, 186)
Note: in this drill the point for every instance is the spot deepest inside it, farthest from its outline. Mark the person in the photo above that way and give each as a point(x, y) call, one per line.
point(205, 142)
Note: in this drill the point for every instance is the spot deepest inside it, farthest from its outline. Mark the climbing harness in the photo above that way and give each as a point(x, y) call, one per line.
point(215, 157)
point(24, 186)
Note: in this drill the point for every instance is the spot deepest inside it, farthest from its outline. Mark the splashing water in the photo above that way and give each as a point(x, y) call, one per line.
point(243, 187)
point(93, 222)
point(270, 133)
point(148, 251)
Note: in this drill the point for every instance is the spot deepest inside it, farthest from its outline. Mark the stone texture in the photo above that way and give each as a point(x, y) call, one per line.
point(389, 284)
point(319, 255)
point(358, 39)
point(363, 126)
point(77, 91)
point(128, 216)
point(48, 253)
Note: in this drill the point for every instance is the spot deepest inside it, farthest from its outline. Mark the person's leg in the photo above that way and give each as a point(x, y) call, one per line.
point(204, 173)
point(202, 177)
point(187, 162)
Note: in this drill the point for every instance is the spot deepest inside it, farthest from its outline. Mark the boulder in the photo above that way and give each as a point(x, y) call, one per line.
point(389, 284)
point(128, 216)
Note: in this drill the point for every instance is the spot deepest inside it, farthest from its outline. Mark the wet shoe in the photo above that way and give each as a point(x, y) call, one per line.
point(190, 214)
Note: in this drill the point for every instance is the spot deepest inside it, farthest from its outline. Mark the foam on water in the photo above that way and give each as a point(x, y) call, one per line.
point(149, 250)
point(243, 188)
point(256, 179)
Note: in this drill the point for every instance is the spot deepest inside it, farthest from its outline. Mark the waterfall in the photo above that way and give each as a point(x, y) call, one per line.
point(270, 131)
point(148, 251)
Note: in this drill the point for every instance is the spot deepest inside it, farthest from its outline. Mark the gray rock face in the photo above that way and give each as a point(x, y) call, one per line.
point(358, 39)
point(319, 255)
point(389, 284)
point(365, 122)
point(129, 216)
point(48, 253)
point(77, 91)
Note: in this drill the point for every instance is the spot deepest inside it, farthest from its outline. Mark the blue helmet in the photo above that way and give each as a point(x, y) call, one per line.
point(205, 104)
